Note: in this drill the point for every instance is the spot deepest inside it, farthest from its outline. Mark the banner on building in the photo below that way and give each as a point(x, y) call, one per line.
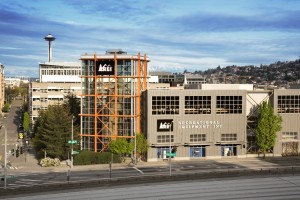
point(105, 67)
point(164, 125)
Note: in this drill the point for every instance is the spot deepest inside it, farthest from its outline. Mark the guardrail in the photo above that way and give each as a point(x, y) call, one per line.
point(150, 179)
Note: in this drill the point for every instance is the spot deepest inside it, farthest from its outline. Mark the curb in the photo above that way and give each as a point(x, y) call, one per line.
point(149, 179)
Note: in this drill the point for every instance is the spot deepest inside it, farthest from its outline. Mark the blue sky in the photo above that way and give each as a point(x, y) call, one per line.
point(175, 34)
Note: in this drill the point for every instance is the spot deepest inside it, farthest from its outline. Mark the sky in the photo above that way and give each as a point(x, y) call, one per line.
point(176, 35)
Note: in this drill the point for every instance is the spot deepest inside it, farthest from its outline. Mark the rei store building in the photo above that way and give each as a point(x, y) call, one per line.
point(215, 121)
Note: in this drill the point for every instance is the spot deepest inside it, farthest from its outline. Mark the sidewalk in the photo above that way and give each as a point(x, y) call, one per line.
point(31, 166)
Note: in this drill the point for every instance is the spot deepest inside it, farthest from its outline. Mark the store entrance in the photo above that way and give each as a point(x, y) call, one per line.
point(289, 148)
point(228, 150)
point(197, 151)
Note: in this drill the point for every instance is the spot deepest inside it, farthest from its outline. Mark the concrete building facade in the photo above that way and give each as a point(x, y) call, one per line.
point(215, 121)
point(56, 81)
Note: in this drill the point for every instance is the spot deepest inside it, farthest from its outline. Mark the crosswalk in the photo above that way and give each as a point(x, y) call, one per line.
point(10, 142)
point(29, 179)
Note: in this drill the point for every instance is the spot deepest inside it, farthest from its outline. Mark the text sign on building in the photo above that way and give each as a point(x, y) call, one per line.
point(164, 125)
point(105, 67)
point(199, 124)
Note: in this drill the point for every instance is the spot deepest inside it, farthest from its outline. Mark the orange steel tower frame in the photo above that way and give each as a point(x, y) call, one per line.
point(111, 97)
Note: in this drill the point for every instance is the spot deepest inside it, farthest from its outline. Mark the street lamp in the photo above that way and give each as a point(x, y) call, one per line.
point(72, 137)
point(5, 154)
point(170, 166)
point(135, 148)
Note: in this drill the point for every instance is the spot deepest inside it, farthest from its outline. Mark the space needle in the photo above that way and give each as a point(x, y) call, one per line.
point(49, 38)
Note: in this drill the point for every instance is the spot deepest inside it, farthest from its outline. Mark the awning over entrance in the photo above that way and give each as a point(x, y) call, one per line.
point(198, 144)
point(230, 142)
point(166, 145)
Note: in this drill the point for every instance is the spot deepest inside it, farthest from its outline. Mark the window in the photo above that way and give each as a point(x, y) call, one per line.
point(165, 138)
point(36, 107)
point(197, 105)
point(44, 99)
point(229, 105)
point(197, 151)
point(165, 105)
point(197, 137)
point(288, 104)
point(229, 137)
point(289, 136)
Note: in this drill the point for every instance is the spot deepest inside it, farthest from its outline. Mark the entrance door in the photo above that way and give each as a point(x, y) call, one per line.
point(228, 150)
point(289, 148)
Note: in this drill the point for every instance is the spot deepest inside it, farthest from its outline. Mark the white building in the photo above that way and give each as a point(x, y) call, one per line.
point(56, 80)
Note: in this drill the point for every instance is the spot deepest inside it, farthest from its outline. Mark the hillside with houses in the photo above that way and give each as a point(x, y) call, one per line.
point(279, 74)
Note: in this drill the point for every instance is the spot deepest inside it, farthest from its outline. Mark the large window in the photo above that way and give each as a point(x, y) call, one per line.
point(229, 137)
point(197, 137)
point(165, 105)
point(165, 138)
point(288, 104)
point(229, 105)
point(197, 105)
point(288, 136)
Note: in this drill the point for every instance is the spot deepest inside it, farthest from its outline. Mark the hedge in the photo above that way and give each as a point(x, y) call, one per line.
point(90, 158)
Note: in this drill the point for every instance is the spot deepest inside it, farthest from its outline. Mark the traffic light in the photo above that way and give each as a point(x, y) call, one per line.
point(174, 150)
point(12, 152)
point(17, 153)
point(20, 135)
point(21, 150)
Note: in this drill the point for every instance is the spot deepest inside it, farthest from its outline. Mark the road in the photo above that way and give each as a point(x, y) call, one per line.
point(101, 172)
point(268, 188)
point(11, 123)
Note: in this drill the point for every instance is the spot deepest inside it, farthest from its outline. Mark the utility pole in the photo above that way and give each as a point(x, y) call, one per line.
point(135, 148)
point(72, 145)
point(170, 165)
point(5, 156)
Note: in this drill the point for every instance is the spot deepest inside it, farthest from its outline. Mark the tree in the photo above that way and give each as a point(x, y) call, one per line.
point(26, 121)
point(11, 93)
point(268, 126)
point(6, 107)
point(121, 146)
point(53, 130)
point(73, 104)
point(141, 144)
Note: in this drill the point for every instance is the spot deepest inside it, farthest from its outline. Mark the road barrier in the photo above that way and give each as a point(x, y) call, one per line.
point(151, 179)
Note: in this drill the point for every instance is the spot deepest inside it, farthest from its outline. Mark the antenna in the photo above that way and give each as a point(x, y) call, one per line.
point(49, 38)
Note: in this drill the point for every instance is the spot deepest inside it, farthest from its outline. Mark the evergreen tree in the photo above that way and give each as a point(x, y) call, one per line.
point(53, 130)
point(268, 126)
point(73, 104)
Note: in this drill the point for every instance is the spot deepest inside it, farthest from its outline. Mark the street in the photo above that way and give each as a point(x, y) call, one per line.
point(11, 121)
point(259, 188)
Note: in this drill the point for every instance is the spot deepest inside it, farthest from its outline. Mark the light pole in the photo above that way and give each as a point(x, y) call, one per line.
point(135, 148)
point(5, 155)
point(72, 145)
point(170, 165)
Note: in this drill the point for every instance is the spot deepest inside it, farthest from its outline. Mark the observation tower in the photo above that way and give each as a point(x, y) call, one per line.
point(111, 98)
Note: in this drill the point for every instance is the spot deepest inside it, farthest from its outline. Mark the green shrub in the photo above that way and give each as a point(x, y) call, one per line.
point(90, 158)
